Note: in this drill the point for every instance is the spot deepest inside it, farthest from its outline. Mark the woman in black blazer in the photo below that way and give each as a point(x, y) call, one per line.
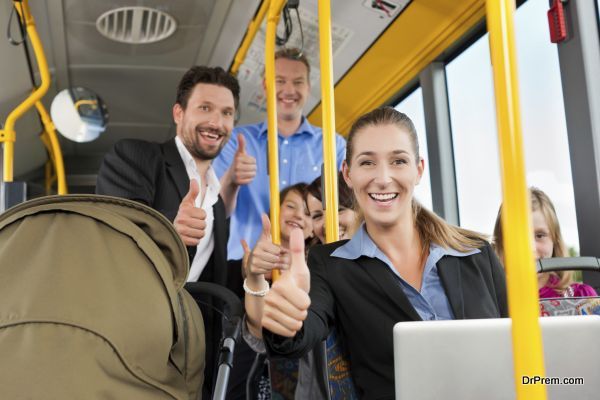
point(403, 264)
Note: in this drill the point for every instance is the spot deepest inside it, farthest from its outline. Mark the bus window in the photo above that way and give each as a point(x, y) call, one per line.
point(412, 105)
point(470, 93)
point(472, 115)
point(543, 116)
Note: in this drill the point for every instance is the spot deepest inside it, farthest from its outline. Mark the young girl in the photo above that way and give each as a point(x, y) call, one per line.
point(310, 384)
point(548, 242)
point(258, 265)
point(403, 264)
point(347, 217)
point(267, 256)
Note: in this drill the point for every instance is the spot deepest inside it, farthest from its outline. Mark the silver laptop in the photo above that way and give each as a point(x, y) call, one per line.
point(472, 359)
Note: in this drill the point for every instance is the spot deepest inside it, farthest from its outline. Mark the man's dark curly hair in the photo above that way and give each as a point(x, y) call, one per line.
point(213, 76)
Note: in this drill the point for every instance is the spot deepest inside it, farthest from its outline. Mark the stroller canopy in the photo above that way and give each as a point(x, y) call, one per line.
point(91, 302)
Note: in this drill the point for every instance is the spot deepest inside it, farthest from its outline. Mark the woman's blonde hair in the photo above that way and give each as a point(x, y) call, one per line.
point(431, 228)
point(540, 202)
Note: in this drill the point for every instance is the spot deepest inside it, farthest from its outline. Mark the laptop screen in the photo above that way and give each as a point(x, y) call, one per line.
point(472, 359)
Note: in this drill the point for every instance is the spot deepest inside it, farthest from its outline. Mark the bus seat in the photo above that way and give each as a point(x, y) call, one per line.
point(341, 385)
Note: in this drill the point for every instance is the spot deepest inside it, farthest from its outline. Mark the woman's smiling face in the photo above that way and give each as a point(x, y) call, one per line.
point(383, 172)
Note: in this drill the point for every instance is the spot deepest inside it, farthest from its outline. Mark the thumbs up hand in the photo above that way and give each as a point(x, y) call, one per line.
point(245, 257)
point(244, 165)
point(190, 220)
point(266, 255)
point(286, 304)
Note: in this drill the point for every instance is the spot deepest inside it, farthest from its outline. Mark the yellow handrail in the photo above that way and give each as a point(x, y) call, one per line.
point(49, 177)
point(521, 277)
point(53, 146)
point(253, 27)
point(8, 135)
point(273, 17)
point(330, 196)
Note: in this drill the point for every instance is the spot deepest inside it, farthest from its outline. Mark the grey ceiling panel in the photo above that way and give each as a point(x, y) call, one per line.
point(232, 33)
point(59, 46)
point(105, 141)
point(132, 95)
point(185, 12)
point(86, 46)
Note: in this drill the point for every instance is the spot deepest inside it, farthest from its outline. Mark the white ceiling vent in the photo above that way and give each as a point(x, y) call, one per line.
point(136, 25)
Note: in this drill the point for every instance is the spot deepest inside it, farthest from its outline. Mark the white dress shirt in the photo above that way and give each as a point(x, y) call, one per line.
point(213, 186)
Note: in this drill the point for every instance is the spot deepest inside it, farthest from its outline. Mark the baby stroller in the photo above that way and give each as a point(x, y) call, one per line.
point(92, 303)
point(231, 326)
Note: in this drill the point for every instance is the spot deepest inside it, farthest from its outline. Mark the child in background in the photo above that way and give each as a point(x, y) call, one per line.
point(548, 242)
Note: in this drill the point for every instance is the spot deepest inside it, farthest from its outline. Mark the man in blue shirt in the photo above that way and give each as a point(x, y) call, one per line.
point(242, 164)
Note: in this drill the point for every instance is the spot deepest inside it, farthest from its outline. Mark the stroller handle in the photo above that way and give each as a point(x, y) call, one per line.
point(233, 305)
point(232, 323)
point(568, 263)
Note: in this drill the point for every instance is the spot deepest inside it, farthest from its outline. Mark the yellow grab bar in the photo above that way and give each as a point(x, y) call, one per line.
point(253, 27)
point(8, 135)
point(330, 196)
point(521, 276)
point(53, 147)
point(273, 17)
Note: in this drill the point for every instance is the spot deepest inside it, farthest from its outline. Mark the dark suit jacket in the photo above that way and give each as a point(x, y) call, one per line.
point(154, 174)
point(364, 300)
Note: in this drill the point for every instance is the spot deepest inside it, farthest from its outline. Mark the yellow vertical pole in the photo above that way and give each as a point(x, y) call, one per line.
point(250, 34)
point(520, 270)
point(272, 136)
point(55, 151)
point(330, 196)
point(8, 135)
point(48, 175)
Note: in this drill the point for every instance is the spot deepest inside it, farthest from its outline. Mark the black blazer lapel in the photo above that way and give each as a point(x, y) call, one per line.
point(220, 250)
point(176, 168)
point(449, 272)
point(380, 272)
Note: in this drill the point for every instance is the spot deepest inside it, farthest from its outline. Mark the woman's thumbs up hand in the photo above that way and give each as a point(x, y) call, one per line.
point(286, 304)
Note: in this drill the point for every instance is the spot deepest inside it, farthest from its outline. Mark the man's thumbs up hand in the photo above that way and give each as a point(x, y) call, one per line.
point(190, 220)
point(190, 197)
point(244, 165)
point(286, 304)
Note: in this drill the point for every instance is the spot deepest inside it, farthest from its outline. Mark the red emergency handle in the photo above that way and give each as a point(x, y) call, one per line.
point(556, 21)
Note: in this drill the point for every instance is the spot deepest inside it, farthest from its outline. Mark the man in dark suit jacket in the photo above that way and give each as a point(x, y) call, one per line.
point(176, 178)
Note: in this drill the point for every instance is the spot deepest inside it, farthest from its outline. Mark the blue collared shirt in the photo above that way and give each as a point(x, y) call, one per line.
point(300, 159)
point(431, 302)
